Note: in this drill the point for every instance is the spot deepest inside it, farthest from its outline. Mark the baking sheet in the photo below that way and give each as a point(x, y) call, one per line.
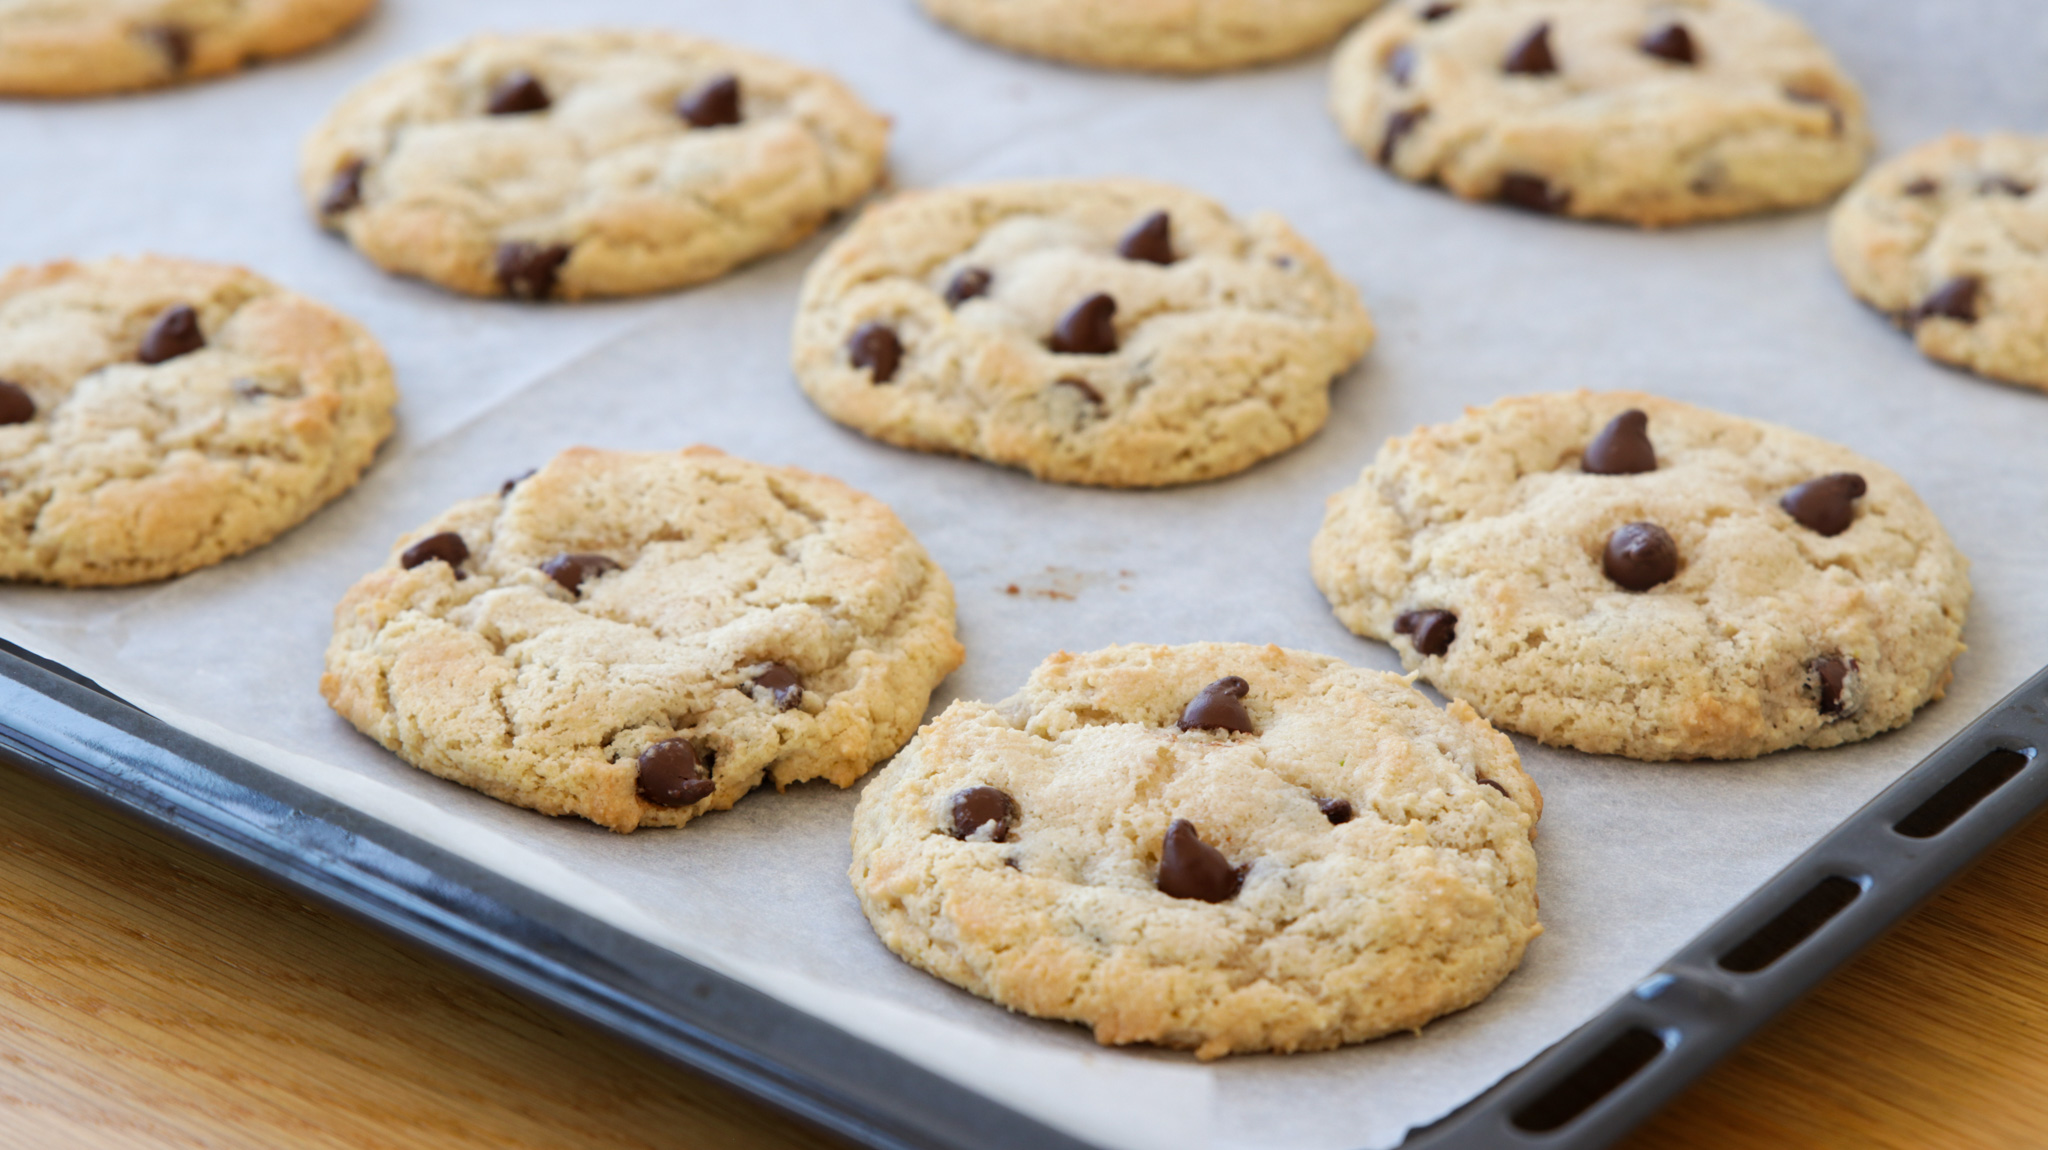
point(1473, 304)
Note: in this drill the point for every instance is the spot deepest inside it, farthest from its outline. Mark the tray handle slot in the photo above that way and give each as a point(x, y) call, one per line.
point(1594, 1079)
point(1963, 793)
point(1792, 926)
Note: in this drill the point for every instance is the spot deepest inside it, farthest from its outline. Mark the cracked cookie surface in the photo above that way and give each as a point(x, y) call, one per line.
point(1785, 605)
point(958, 321)
point(1951, 241)
point(1652, 112)
point(159, 415)
point(1154, 35)
point(1380, 848)
point(596, 163)
point(90, 47)
point(616, 613)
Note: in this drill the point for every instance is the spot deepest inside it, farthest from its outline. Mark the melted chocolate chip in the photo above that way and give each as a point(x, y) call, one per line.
point(572, 570)
point(516, 480)
point(1191, 868)
point(1495, 786)
point(1088, 329)
point(1640, 556)
point(1956, 299)
point(1671, 42)
point(1219, 707)
point(1398, 125)
point(1086, 389)
point(969, 284)
point(713, 105)
point(1622, 447)
point(1831, 675)
point(1150, 241)
point(1430, 631)
point(1532, 192)
point(1531, 54)
point(15, 404)
point(1338, 811)
point(528, 271)
point(174, 42)
point(517, 94)
point(976, 807)
point(874, 346)
point(1401, 64)
point(1826, 505)
point(447, 547)
point(2004, 185)
point(1922, 186)
point(174, 333)
point(345, 191)
point(782, 684)
point(670, 775)
point(1436, 12)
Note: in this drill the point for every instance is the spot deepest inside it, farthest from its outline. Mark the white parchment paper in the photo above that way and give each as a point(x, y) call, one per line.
point(1473, 303)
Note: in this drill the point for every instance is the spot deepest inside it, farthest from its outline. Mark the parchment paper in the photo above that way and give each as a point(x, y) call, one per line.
point(1473, 303)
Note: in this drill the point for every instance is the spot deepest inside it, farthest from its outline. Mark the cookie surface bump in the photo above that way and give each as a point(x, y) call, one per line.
point(1356, 864)
point(1154, 35)
point(91, 47)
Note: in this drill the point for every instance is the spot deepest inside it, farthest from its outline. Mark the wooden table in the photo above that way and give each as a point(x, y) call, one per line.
point(150, 997)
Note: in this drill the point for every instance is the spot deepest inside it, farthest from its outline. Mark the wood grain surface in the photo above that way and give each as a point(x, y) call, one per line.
point(150, 997)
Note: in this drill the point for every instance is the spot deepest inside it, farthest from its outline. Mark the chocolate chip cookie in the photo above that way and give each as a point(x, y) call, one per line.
point(640, 638)
point(1154, 35)
point(159, 415)
point(1634, 576)
point(1645, 111)
point(1113, 332)
point(1951, 241)
point(1219, 847)
point(90, 47)
point(568, 165)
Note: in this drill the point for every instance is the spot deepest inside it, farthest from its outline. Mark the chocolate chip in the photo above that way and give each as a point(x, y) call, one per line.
point(1430, 631)
point(174, 42)
point(1398, 125)
point(1191, 868)
point(1922, 186)
point(174, 333)
point(1956, 299)
point(1531, 54)
point(1150, 241)
point(874, 346)
point(1087, 390)
point(527, 271)
point(15, 404)
point(1495, 786)
point(1088, 329)
point(670, 775)
point(968, 284)
point(1338, 811)
point(1671, 42)
point(1831, 675)
point(713, 105)
point(516, 481)
point(977, 807)
point(1401, 64)
point(1436, 12)
point(1219, 707)
point(571, 570)
point(517, 94)
point(1622, 447)
point(447, 547)
point(783, 684)
point(1533, 193)
point(1826, 505)
point(345, 191)
point(2007, 185)
point(1640, 556)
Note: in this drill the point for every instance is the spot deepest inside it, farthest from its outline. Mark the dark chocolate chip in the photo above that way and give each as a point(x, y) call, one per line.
point(1532, 192)
point(516, 481)
point(1219, 707)
point(1622, 447)
point(1671, 42)
point(783, 684)
point(572, 570)
point(1956, 299)
point(174, 42)
point(1435, 12)
point(1922, 186)
point(2005, 185)
point(1401, 64)
point(1430, 631)
point(713, 105)
point(1640, 556)
point(1826, 505)
point(174, 333)
point(518, 93)
point(976, 807)
point(1338, 811)
point(1191, 868)
point(15, 404)
point(1088, 329)
point(1398, 125)
point(527, 271)
point(1531, 54)
point(968, 284)
point(1086, 389)
point(447, 547)
point(1495, 786)
point(1831, 675)
point(345, 191)
point(670, 775)
point(1151, 240)
point(874, 346)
